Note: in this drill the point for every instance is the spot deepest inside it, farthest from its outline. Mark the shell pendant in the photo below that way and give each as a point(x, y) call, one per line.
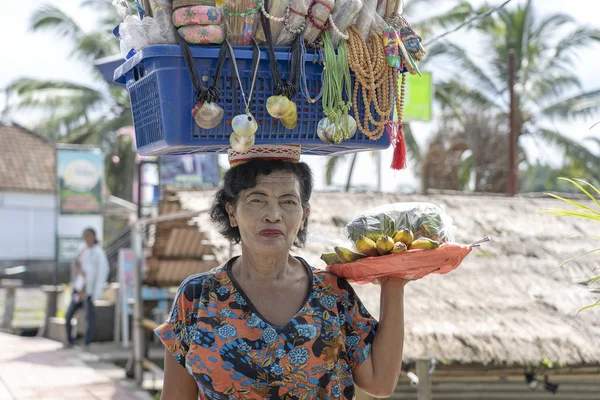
point(244, 125)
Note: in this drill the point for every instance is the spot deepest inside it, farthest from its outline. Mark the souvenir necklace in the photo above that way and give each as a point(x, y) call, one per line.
point(411, 40)
point(375, 79)
point(280, 105)
point(271, 17)
point(410, 47)
point(206, 113)
point(286, 20)
point(244, 125)
point(303, 81)
point(337, 124)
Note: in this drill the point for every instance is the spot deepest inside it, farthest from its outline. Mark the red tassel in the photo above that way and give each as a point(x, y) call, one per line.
point(397, 140)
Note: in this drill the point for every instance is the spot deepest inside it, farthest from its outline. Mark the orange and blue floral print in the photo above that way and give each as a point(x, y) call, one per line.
point(216, 333)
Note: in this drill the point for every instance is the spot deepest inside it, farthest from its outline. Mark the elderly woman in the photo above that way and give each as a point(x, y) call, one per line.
point(267, 324)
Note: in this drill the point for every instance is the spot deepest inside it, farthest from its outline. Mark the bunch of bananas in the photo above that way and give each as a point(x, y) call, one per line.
point(379, 245)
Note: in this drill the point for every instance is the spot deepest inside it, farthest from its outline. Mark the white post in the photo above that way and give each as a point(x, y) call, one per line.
point(424, 391)
point(138, 309)
point(123, 306)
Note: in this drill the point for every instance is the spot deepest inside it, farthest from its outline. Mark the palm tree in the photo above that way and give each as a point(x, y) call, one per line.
point(546, 88)
point(73, 112)
point(459, 12)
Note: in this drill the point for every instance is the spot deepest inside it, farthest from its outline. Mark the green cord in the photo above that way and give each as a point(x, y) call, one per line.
point(245, 14)
point(337, 78)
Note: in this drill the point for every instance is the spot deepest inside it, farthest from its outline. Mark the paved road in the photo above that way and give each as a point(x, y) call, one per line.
point(37, 368)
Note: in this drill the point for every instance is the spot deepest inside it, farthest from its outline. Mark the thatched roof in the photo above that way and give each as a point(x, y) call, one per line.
point(28, 161)
point(504, 304)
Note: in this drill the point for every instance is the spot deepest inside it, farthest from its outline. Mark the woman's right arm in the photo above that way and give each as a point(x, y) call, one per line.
point(178, 383)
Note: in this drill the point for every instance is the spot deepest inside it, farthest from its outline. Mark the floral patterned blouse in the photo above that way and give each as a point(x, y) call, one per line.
point(232, 352)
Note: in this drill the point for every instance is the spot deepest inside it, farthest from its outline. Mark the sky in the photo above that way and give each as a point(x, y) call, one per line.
point(43, 55)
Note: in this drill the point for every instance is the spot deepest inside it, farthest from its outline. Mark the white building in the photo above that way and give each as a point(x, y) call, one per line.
point(27, 203)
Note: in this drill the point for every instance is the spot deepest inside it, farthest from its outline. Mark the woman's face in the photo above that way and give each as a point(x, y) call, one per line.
point(89, 238)
point(270, 215)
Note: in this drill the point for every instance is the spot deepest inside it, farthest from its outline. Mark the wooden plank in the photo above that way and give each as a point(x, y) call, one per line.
point(515, 378)
point(482, 371)
point(173, 238)
point(173, 271)
point(188, 239)
point(531, 395)
point(511, 387)
point(505, 390)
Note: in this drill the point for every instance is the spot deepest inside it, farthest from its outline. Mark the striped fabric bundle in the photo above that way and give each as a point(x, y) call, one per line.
point(199, 24)
point(188, 3)
point(197, 15)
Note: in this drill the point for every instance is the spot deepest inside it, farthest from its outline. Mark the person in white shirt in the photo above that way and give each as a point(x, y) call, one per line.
point(91, 273)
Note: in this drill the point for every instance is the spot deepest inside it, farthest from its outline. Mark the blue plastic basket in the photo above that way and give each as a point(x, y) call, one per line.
point(162, 97)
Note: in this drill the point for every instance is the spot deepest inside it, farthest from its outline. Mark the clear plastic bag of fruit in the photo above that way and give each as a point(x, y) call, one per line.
point(425, 220)
point(404, 240)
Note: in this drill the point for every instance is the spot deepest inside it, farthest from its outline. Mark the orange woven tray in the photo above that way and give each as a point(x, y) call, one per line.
point(411, 264)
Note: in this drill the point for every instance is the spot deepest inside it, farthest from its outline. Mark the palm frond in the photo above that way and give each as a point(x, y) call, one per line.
point(594, 188)
point(469, 68)
point(460, 97)
point(51, 96)
point(581, 105)
point(95, 45)
point(593, 280)
point(593, 213)
point(578, 184)
point(552, 86)
point(597, 304)
point(50, 17)
point(454, 16)
point(550, 25)
point(574, 150)
point(577, 257)
point(23, 86)
point(574, 41)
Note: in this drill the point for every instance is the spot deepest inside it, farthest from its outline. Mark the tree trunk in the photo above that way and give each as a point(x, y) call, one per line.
point(352, 164)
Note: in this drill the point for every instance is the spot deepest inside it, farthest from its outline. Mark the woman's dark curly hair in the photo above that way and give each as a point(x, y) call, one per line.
point(245, 177)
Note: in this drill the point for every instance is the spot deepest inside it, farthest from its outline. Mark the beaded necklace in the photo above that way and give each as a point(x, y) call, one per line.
point(377, 81)
point(271, 17)
point(286, 20)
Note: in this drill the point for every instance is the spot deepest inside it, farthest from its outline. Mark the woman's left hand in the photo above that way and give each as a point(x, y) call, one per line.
point(378, 375)
point(399, 282)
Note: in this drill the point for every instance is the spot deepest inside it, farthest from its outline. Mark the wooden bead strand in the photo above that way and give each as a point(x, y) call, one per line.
point(376, 80)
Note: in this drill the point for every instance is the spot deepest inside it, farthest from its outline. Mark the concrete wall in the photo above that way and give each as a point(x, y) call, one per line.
point(27, 226)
